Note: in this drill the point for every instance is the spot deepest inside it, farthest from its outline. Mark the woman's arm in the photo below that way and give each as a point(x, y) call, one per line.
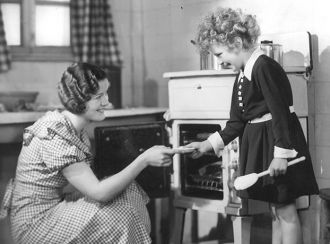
point(83, 179)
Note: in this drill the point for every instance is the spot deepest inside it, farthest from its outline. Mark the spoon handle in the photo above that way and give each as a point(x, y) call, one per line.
point(292, 162)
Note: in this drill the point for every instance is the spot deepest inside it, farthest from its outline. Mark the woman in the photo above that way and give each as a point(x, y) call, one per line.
point(263, 117)
point(55, 153)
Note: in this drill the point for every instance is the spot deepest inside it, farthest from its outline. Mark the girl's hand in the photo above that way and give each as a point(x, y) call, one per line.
point(200, 148)
point(278, 166)
point(158, 156)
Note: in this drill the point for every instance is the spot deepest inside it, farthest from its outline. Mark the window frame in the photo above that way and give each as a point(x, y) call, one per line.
point(28, 51)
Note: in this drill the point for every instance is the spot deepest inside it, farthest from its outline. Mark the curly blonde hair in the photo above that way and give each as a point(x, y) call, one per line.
point(224, 25)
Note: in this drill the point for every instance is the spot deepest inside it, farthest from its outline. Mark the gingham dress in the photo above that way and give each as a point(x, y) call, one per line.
point(42, 212)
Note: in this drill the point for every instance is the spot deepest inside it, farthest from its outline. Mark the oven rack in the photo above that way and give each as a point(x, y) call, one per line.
point(205, 183)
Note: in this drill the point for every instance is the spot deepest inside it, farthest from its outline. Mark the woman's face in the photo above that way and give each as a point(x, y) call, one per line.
point(98, 103)
point(226, 55)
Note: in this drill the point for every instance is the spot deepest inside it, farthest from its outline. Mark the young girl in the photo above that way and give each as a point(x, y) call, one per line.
point(56, 152)
point(263, 117)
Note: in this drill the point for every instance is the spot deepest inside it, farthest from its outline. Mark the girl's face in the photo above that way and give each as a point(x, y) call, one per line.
point(226, 55)
point(98, 103)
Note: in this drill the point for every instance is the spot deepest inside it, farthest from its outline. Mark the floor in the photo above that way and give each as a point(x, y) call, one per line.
point(261, 231)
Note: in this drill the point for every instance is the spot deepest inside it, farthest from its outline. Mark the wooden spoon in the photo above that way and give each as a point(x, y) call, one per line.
point(245, 181)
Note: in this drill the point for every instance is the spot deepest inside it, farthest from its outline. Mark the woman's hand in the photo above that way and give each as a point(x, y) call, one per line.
point(83, 179)
point(158, 156)
point(200, 148)
point(278, 166)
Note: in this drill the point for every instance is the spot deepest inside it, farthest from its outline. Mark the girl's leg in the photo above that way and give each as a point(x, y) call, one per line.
point(289, 223)
point(276, 232)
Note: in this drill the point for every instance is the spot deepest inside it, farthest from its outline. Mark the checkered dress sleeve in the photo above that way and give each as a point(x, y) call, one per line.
point(59, 153)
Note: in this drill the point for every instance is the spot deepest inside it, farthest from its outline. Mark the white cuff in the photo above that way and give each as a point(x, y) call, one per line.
point(217, 143)
point(284, 153)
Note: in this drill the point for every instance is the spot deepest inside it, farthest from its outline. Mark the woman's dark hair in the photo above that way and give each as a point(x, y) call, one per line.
point(78, 83)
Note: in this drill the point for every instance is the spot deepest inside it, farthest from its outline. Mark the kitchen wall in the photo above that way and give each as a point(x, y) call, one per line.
point(34, 76)
point(155, 38)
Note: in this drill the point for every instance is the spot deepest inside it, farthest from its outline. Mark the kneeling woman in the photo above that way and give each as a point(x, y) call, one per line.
point(56, 152)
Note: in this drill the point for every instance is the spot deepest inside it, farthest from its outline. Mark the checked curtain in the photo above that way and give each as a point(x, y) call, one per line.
point(93, 38)
point(5, 61)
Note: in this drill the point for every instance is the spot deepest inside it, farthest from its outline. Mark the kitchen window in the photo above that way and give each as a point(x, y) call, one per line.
point(38, 30)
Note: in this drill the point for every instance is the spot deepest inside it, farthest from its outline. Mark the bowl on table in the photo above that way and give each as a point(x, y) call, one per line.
point(13, 100)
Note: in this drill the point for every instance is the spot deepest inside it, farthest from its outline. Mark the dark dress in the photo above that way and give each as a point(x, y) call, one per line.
point(269, 91)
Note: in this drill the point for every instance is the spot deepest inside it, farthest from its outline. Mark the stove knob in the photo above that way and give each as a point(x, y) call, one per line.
point(234, 146)
point(232, 180)
point(233, 165)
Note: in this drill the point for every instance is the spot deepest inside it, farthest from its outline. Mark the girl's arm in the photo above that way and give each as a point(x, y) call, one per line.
point(234, 126)
point(83, 179)
point(216, 142)
point(276, 90)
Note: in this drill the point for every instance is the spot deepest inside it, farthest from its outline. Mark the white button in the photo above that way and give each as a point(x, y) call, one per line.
point(239, 87)
point(240, 98)
point(239, 93)
point(240, 104)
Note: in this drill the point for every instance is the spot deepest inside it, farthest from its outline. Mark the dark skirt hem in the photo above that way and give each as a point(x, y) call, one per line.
point(256, 154)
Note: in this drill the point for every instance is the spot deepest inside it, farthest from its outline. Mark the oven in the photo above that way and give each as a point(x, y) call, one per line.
point(200, 177)
point(117, 146)
point(204, 181)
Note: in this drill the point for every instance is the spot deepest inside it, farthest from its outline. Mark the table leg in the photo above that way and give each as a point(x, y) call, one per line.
point(242, 229)
point(177, 235)
point(324, 222)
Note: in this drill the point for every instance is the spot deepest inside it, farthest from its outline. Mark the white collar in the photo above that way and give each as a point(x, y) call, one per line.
point(250, 63)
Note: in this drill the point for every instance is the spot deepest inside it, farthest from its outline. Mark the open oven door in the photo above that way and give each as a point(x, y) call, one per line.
point(118, 146)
